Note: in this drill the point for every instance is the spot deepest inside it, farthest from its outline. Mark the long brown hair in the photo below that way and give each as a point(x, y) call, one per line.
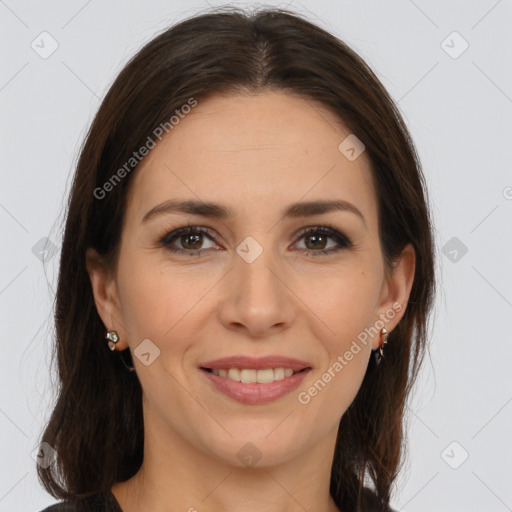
point(96, 426)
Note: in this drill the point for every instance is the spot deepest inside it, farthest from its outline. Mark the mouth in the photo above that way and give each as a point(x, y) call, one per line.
point(255, 380)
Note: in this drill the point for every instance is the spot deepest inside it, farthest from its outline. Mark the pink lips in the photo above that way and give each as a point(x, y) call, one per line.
point(255, 393)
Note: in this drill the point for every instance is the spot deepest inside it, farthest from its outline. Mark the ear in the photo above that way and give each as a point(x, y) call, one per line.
point(396, 290)
point(105, 293)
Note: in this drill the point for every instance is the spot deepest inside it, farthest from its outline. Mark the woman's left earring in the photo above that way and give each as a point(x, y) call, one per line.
point(379, 352)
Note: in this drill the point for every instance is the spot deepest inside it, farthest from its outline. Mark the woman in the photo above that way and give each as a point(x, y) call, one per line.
point(248, 228)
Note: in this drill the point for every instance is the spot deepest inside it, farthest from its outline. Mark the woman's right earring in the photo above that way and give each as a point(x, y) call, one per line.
point(113, 338)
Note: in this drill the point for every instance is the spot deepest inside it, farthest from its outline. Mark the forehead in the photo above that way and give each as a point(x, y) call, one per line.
point(260, 150)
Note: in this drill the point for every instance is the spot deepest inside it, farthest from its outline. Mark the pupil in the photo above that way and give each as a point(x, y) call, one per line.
point(315, 237)
point(197, 241)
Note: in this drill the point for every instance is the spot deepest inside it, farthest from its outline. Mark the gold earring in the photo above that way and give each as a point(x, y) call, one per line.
point(384, 340)
point(379, 352)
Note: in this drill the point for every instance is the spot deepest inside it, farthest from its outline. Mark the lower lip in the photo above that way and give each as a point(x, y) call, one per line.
point(255, 393)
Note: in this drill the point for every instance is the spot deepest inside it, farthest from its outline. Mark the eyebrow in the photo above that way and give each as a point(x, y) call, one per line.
point(221, 212)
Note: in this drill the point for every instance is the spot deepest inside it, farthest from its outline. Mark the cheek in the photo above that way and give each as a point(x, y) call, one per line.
point(348, 310)
point(347, 313)
point(346, 301)
point(342, 381)
point(156, 299)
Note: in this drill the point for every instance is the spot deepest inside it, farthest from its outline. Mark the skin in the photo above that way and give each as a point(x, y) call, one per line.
point(254, 154)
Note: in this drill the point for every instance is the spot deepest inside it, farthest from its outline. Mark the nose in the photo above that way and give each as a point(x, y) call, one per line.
point(256, 297)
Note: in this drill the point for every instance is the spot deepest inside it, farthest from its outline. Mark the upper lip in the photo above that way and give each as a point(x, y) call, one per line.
point(256, 363)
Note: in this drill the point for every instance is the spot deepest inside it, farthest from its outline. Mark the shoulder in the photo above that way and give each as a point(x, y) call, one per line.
point(99, 502)
point(61, 507)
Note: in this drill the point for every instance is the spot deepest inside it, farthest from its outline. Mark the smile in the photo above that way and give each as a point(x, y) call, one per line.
point(243, 386)
point(250, 375)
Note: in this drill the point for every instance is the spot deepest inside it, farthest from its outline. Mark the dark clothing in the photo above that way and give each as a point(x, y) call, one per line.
point(100, 502)
point(106, 502)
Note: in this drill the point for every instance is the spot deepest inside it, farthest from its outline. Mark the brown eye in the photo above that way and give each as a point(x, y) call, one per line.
point(192, 242)
point(317, 239)
point(189, 240)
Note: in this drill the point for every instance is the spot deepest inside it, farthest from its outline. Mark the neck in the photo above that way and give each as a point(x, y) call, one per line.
point(177, 476)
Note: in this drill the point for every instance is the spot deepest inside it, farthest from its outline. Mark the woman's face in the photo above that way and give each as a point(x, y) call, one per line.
point(250, 283)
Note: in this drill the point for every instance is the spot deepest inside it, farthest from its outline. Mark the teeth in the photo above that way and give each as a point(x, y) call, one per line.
point(279, 373)
point(234, 374)
point(250, 375)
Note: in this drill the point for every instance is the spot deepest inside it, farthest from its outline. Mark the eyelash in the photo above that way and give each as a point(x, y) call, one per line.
point(327, 230)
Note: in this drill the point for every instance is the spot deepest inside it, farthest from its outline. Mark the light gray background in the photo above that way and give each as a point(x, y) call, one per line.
point(459, 112)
